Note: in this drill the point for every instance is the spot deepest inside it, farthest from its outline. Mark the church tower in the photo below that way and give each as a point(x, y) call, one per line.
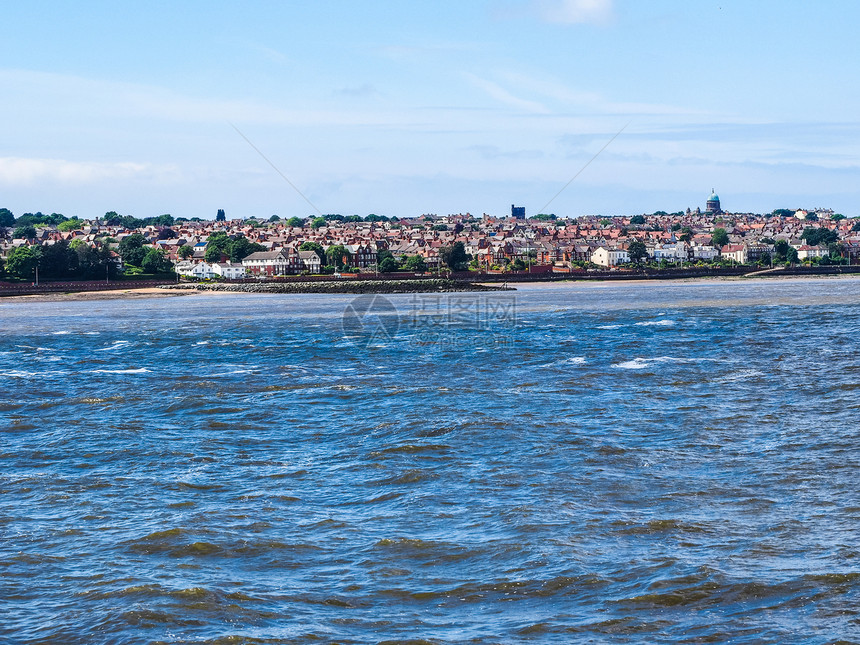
point(713, 203)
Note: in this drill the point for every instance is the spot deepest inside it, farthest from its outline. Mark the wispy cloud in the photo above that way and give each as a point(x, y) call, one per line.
point(20, 170)
point(494, 152)
point(502, 95)
point(575, 11)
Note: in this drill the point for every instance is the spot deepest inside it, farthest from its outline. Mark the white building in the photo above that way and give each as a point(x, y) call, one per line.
point(311, 261)
point(669, 252)
point(269, 263)
point(199, 270)
point(609, 257)
point(805, 252)
point(735, 252)
point(229, 270)
point(704, 252)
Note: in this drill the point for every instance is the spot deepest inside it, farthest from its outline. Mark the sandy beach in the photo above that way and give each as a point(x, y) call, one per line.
point(112, 294)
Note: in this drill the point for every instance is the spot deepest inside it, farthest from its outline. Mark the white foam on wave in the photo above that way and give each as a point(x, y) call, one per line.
point(118, 344)
point(665, 322)
point(139, 370)
point(18, 374)
point(639, 362)
point(24, 374)
point(635, 364)
point(576, 360)
point(60, 333)
point(610, 326)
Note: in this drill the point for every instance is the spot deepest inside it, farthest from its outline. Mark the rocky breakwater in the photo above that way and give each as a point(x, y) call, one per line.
point(342, 286)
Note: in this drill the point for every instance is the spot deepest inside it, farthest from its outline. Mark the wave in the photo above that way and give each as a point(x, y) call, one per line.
point(665, 322)
point(139, 370)
point(118, 344)
point(639, 362)
point(18, 374)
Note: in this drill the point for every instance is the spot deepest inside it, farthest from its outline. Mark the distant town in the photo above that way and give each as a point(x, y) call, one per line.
point(35, 246)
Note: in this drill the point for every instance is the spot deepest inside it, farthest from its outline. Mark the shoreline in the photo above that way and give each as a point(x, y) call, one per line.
point(392, 287)
point(357, 287)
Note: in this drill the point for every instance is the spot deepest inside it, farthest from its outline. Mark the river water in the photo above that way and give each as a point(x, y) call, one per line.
point(656, 463)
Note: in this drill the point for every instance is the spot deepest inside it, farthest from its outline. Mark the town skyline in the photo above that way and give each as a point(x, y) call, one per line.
point(399, 109)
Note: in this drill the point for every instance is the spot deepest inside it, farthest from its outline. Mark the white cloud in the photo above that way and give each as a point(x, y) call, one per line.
point(23, 171)
point(504, 96)
point(575, 11)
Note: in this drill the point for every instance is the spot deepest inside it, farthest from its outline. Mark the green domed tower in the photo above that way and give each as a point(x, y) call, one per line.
point(713, 203)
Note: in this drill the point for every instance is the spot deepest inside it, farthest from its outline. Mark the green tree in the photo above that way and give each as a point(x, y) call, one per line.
point(780, 250)
point(57, 261)
point(296, 222)
point(637, 219)
point(217, 244)
point(26, 232)
point(73, 224)
point(686, 234)
point(388, 264)
point(220, 216)
point(637, 251)
point(816, 236)
point(241, 248)
point(22, 261)
point(416, 263)
point(454, 256)
point(274, 218)
point(719, 238)
point(131, 249)
point(318, 222)
point(185, 252)
point(837, 250)
point(791, 255)
point(112, 218)
point(155, 262)
point(337, 255)
point(91, 262)
point(837, 217)
point(7, 219)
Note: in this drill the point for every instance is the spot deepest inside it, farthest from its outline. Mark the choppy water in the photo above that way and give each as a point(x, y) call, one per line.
point(643, 463)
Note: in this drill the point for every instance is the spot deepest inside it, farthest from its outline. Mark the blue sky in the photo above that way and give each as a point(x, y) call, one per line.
point(407, 108)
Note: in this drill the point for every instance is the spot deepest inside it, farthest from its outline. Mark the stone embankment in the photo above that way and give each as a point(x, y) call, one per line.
point(344, 286)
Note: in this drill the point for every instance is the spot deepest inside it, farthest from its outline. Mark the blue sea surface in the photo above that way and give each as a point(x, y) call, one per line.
point(606, 463)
